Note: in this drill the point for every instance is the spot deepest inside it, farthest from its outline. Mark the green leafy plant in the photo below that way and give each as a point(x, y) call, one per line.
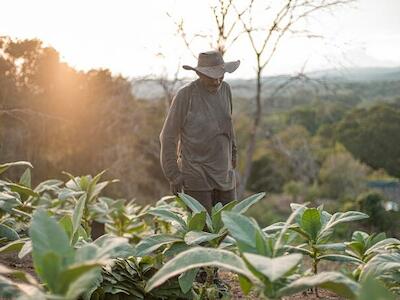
point(126, 279)
point(91, 188)
point(66, 271)
point(364, 247)
point(315, 226)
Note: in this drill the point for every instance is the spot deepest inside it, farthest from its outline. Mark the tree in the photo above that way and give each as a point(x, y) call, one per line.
point(371, 135)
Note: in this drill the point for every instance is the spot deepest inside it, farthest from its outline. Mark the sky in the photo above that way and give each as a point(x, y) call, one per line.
point(138, 38)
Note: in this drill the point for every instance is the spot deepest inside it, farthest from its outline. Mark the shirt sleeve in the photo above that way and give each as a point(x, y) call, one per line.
point(170, 135)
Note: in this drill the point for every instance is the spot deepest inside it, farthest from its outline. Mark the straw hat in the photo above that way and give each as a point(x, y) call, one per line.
point(211, 64)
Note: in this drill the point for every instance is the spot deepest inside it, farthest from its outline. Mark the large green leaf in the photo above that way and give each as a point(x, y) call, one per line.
point(20, 275)
point(333, 281)
point(83, 283)
point(380, 265)
point(340, 258)
point(113, 247)
point(78, 213)
point(197, 221)
point(334, 246)
point(311, 222)
point(9, 200)
point(48, 236)
point(50, 271)
point(5, 166)
point(340, 217)
point(186, 279)
point(297, 210)
point(8, 233)
point(372, 289)
point(13, 246)
point(168, 215)
point(216, 216)
point(152, 243)
point(382, 244)
point(245, 204)
point(74, 272)
point(25, 178)
point(197, 237)
point(196, 207)
point(66, 224)
point(24, 191)
point(273, 268)
point(241, 228)
point(198, 257)
point(48, 185)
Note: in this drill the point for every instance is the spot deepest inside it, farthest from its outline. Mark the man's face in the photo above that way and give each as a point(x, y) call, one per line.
point(210, 84)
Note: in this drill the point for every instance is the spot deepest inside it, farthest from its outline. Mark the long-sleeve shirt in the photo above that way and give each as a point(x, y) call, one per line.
point(198, 141)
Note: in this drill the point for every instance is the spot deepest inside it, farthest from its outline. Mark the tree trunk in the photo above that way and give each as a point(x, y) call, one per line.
point(253, 139)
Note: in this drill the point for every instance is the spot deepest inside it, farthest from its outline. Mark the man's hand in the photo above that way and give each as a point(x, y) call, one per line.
point(177, 185)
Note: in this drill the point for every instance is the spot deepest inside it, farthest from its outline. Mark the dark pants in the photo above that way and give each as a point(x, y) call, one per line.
point(209, 198)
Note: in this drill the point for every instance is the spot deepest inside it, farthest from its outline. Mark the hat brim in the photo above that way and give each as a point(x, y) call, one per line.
point(215, 71)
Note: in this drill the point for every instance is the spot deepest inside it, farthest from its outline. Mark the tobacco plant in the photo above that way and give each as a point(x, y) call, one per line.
point(65, 271)
point(262, 262)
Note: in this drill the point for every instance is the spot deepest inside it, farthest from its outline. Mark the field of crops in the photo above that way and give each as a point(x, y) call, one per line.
point(83, 245)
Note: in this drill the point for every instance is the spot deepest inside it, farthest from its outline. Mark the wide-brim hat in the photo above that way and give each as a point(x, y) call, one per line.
point(211, 64)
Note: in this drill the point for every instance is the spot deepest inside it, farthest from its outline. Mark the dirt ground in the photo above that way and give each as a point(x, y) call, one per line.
point(12, 261)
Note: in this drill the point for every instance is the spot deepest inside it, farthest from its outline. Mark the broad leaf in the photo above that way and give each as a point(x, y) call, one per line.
point(217, 216)
point(78, 213)
point(241, 228)
point(197, 221)
point(186, 279)
point(340, 217)
point(311, 222)
point(245, 204)
point(380, 265)
point(51, 266)
point(168, 215)
point(8, 233)
point(152, 243)
point(273, 268)
point(335, 247)
point(341, 258)
point(372, 289)
point(82, 284)
point(14, 246)
point(198, 257)
point(197, 237)
point(4, 167)
point(333, 281)
point(75, 272)
point(25, 178)
point(48, 236)
point(196, 207)
point(382, 244)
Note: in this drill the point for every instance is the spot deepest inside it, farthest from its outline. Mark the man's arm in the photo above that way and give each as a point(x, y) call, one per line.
point(169, 138)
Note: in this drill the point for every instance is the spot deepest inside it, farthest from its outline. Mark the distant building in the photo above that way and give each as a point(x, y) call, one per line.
point(391, 189)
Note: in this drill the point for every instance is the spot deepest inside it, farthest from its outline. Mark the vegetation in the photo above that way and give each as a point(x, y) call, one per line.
point(175, 238)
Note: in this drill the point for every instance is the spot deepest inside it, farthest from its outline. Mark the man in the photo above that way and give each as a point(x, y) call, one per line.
point(198, 148)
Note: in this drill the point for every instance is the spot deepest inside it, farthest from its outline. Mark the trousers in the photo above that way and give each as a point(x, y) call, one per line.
point(209, 198)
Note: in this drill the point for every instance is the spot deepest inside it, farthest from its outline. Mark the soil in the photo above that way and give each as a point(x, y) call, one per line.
point(12, 261)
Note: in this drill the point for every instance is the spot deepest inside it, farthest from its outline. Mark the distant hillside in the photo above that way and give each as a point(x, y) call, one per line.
point(363, 83)
point(360, 74)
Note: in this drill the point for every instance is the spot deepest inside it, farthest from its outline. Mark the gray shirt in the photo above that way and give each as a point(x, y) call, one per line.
point(198, 140)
